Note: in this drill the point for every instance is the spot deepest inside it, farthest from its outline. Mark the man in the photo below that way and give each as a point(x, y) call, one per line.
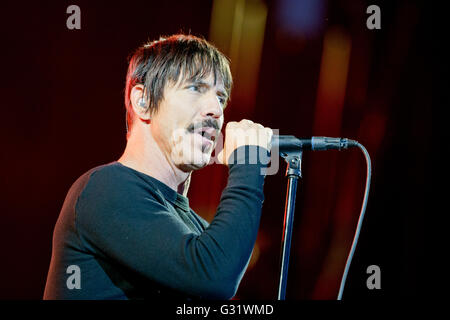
point(125, 230)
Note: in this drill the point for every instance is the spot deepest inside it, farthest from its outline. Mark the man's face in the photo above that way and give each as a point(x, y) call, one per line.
point(188, 121)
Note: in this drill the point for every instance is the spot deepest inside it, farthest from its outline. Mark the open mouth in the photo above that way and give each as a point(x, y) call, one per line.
point(207, 133)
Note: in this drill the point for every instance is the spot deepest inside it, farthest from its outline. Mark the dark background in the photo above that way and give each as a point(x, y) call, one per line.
point(63, 113)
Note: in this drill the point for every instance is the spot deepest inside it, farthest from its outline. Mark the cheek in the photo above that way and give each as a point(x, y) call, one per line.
point(182, 113)
point(179, 137)
point(170, 122)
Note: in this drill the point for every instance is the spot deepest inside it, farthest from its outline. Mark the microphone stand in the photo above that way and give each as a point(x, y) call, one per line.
point(293, 172)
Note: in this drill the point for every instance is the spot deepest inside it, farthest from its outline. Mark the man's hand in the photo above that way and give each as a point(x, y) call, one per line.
point(244, 132)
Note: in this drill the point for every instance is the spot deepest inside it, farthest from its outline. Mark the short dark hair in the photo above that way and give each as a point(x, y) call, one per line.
point(157, 62)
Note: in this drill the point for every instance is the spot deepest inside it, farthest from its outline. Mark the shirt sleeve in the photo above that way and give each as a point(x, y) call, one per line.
point(122, 218)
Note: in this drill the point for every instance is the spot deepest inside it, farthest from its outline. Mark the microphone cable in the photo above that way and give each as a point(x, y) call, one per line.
point(361, 215)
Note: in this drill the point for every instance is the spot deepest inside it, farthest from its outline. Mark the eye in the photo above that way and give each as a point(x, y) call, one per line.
point(194, 88)
point(222, 100)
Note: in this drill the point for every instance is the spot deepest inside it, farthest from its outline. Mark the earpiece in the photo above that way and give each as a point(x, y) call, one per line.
point(142, 103)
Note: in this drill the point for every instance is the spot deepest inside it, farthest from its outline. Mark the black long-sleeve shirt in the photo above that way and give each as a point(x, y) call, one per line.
point(133, 237)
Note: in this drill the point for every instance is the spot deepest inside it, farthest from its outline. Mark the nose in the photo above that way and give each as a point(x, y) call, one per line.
point(212, 107)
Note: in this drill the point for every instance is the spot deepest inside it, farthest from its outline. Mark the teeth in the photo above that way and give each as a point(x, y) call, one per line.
point(206, 134)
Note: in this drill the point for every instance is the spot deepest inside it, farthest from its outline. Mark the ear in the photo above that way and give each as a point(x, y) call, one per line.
point(141, 110)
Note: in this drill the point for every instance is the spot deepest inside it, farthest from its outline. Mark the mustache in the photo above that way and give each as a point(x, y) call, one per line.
point(203, 124)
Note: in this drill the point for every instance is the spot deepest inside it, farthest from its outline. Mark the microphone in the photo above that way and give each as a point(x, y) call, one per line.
point(291, 143)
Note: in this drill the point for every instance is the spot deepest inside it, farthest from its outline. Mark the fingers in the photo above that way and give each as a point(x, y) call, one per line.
point(245, 132)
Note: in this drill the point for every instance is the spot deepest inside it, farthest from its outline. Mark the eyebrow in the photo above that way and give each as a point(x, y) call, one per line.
point(203, 83)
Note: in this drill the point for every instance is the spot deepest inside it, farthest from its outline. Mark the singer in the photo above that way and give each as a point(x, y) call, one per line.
point(126, 230)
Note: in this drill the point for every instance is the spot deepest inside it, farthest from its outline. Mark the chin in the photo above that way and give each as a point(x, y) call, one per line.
point(190, 154)
point(195, 163)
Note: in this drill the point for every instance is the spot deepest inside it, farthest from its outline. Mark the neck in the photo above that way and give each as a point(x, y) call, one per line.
point(143, 154)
